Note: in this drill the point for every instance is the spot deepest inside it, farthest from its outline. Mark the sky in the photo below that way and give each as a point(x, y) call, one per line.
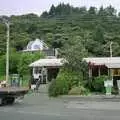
point(19, 7)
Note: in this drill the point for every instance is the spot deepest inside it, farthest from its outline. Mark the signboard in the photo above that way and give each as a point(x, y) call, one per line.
point(116, 72)
point(118, 84)
point(15, 81)
point(108, 83)
point(108, 86)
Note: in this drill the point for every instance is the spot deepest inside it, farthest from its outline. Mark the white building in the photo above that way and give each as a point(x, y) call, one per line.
point(36, 45)
point(46, 69)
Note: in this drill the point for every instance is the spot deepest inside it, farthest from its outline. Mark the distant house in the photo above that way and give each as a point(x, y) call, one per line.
point(104, 66)
point(40, 45)
point(36, 45)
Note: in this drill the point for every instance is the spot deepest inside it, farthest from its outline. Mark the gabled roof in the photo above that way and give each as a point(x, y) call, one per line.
point(110, 62)
point(54, 62)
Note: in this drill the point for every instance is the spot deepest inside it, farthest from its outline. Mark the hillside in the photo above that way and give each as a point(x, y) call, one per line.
point(63, 26)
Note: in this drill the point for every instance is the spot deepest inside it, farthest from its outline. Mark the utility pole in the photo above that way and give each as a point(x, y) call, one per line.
point(111, 49)
point(7, 51)
point(111, 74)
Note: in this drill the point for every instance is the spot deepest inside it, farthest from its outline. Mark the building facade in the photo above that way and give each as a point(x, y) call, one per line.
point(109, 66)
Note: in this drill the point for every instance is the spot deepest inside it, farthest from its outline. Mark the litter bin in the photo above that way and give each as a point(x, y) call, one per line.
point(108, 86)
point(15, 80)
point(118, 85)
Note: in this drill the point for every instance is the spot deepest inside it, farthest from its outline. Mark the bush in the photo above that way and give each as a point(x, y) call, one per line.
point(65, 80)
point(58, 87)
point(98, 83)
point(25, 60)
point(80, 90)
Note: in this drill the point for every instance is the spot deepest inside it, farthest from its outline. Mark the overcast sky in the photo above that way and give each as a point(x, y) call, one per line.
point(18, 7)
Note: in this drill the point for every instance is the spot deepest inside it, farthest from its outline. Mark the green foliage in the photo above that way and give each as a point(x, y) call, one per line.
point(19, 62)
point(14, 60)
point(25, 81)
point(25, 60)
point(2, 65)
point(98, 83)
point(19, 41)
point(75, 68)
point(99, 34)
point(62, 25)
point(65, 80)
point(92, 11)
point(74, 56)
point(58, 87)
point(2, 78)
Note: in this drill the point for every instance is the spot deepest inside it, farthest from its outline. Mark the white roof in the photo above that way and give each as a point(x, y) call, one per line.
point(55, 62)
point(36, 45)
point(110, 62)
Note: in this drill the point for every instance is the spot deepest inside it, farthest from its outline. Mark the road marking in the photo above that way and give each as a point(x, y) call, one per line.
point(35, 113)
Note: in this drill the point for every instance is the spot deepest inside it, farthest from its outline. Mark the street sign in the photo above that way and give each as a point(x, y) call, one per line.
point(118, 84)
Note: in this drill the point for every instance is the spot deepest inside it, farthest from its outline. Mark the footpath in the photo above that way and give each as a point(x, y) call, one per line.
point(111, 98)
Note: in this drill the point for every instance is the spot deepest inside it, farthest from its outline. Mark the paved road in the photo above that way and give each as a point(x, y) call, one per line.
point(39, 106)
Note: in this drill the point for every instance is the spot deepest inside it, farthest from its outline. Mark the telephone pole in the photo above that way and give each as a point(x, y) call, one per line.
point(111, 74)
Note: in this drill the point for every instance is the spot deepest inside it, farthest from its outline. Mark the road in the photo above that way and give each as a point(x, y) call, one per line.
point(39, 106)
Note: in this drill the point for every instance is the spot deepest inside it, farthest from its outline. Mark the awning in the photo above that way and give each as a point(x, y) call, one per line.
point(113, 65)
point(109, 62)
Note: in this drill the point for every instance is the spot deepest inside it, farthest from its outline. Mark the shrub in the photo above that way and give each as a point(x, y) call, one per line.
point(65, 80)
point(58, 87)
point(98, 83)
point(80, 90)
point(25, 60)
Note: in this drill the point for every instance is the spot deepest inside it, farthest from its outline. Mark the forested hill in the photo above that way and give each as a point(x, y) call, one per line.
point(64, 26)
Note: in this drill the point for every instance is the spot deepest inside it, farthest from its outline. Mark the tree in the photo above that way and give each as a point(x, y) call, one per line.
point(19, 41)
point(57, 41)
point(64, 23)
point(49, 38)
point(45, 14)
point(74, 56)
point(115, 49)
point(83, 10)
point(102, 12)
point(13, 60)
point(25, 60)
point(2, 65)
point(52, 11)
point(110, 11)
point(92, 10)
point(99, 34)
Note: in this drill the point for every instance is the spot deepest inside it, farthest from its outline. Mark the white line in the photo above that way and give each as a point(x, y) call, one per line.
point(34, 113)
